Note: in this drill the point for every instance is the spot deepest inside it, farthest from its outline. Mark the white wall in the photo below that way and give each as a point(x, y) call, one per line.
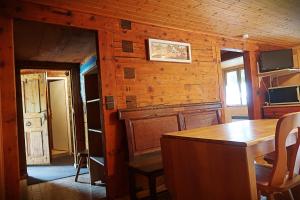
point(232, 63)
point(235, 111)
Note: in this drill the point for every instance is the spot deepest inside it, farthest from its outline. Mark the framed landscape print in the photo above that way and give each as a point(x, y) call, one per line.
point(169, 51)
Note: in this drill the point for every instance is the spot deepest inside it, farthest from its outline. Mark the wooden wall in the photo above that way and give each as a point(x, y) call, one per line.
point(163, 82)
point(1, 159)
point(155, 83)
point(9, 129)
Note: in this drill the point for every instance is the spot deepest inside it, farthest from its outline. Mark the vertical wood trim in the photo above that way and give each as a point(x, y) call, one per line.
point(21, 134)
point(78, 111)
point(296, 56)
point(252, 82)
point(217, 60)
point(9, 109)
point(116, 170)
point(2, 197)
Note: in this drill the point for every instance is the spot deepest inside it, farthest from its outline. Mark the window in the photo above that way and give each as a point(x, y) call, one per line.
point(236, 93)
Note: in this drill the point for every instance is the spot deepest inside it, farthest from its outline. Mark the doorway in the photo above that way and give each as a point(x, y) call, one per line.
point(59, 105)
point(48, 127)
point(232, 64)
point(49, 59)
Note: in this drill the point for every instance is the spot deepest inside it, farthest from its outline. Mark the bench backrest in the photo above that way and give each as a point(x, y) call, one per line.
point(144, 126)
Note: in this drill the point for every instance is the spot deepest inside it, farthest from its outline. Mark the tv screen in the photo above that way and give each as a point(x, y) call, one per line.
point(275, 60)
point(283, 95)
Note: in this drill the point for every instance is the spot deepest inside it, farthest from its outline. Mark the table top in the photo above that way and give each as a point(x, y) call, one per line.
point(240, 133)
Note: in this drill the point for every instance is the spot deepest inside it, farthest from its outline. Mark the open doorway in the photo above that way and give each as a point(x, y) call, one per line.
point(232, 63)
point(51, 123)
point(48, 127)
point(61, 138)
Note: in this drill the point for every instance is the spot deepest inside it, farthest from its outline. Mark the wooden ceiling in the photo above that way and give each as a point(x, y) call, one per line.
point(46, 42)
point(270, 21)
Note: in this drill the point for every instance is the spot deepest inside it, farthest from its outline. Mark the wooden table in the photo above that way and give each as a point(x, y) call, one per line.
point(216, 162)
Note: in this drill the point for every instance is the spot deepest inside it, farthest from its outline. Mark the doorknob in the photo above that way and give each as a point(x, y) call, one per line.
point(28, 123)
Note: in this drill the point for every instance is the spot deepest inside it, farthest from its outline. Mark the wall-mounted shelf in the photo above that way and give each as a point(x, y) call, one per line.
point(282, 72)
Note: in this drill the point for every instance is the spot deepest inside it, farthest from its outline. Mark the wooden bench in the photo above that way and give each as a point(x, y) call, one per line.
point(144, 128)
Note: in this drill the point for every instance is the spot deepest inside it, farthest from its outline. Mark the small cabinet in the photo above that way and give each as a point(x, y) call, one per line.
point(275, 112)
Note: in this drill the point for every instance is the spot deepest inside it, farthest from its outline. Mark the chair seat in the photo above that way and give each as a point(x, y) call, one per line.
point(84, 153)
point(270, 157)
point(263, 175)
point(148, 163)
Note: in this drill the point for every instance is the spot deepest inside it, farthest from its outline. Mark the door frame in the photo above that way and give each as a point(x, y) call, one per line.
point(251, 79)
point(79, 138)
point(71, 136)
point(2, 193)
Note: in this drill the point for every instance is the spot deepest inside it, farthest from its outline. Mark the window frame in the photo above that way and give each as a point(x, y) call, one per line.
point(238, 69)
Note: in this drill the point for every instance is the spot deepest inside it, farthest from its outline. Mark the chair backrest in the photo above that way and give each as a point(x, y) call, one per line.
point(286, 125)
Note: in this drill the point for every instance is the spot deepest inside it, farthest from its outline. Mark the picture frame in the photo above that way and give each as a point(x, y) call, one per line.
point(169, 51)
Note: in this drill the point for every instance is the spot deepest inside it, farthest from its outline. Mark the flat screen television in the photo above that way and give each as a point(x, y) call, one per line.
point(276, 60)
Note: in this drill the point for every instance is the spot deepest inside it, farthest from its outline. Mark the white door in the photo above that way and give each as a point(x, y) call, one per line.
point(59, 115)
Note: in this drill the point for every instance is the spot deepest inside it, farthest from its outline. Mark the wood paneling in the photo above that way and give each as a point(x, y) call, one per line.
point(267, 21)
point(114, 140)
point(155, 83)
point(2, 193)
point(9, 130)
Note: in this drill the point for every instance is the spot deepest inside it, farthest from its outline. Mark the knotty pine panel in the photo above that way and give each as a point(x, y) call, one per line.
point(166, 83)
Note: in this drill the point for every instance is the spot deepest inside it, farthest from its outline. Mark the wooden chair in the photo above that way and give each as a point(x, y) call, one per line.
point(270, 157)
point(83, 157)
point(283, 175)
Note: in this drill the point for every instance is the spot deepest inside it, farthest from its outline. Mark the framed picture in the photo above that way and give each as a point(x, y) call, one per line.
point(169, 51)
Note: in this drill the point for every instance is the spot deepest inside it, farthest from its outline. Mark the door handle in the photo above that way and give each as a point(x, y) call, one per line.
point(28, 123)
